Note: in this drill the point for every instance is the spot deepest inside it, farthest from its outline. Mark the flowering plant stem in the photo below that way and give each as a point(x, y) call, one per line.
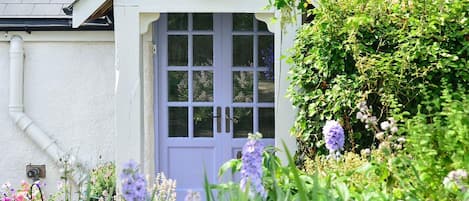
point(294, 170)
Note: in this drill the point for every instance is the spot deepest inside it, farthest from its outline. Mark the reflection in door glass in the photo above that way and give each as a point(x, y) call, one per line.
point(203, 50)
point(242, 86)
point(267, 122)
point(243, 22)
point(202, 21)
point(177, 86)
point(242, 51)
point(265, 51)
point(202, 85)
point(177, 21)
point(265, 88)
point(177, 125)
point(203, 122)
point(177, 50)
point(242, 122)
point(261, 26)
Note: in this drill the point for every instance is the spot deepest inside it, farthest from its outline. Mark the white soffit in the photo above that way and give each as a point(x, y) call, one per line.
point(83, 9)
point(209, 6)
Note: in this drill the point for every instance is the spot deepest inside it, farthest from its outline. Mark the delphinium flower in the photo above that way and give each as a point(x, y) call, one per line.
point(333, 136)
point(133, 183)
point(251, 168)
point(455, 180)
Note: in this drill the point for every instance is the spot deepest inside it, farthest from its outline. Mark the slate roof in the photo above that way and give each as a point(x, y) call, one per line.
point(33, 8)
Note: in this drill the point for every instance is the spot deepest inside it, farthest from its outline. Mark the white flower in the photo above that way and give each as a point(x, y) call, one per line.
point(454, 179)
point(366, 152)
point(363, 107)
point(359, 115)
point(380, 136)
point(446, 181)
point(401, 140)
point(372, 120)
point(384, 146)
point(385, 125)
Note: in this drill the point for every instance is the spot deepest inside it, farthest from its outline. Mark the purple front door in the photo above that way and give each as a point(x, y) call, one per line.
point(214, 86)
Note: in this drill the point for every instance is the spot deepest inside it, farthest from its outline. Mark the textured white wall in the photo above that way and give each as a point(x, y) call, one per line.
point(69, 93)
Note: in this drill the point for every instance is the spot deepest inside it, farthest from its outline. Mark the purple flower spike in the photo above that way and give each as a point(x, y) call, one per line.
point(133, 183)
point(333, 135)
point(251, 169)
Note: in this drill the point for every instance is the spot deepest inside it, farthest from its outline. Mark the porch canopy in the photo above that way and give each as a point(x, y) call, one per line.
point(134, 54)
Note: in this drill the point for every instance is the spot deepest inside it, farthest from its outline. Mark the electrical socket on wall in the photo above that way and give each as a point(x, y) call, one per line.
point(35, 171)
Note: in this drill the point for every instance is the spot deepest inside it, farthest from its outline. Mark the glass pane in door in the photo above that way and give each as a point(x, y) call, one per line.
point(242, 122)
point(177, 21)
point(177, 50)
point(265, 87)
point(265, 52)
point(202, 21)
point(177, 86)
point(203, 50)
point(202, 85)
point(177, 124)
point(242, 86)
point(203, 121)
point(242, 50)
point(267, 122)
point(242, 22)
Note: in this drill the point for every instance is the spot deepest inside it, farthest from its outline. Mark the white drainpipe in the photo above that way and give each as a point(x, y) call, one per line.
point(16, 108)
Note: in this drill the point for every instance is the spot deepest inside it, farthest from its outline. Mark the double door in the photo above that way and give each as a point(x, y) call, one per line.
point(215, 85)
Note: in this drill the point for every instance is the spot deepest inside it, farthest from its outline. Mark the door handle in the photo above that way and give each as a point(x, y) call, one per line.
point(227, 120)
point(218, 116)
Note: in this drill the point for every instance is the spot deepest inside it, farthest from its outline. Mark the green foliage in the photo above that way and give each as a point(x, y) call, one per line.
point(439, 141)
point(288, 9)
point(390, 54)
point(102, 182)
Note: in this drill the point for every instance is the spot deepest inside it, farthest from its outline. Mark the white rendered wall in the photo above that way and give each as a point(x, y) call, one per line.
point(69, 93)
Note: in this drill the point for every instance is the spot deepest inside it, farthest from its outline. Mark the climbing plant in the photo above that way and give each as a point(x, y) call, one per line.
point(387, 55)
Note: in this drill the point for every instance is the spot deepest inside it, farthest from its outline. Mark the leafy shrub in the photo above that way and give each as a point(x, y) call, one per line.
point(389, 54)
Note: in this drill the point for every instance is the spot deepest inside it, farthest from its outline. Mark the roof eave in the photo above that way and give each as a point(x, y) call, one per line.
point(85, 10)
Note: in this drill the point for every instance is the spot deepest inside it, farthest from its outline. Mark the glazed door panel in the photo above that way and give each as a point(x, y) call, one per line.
point(214, 86)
